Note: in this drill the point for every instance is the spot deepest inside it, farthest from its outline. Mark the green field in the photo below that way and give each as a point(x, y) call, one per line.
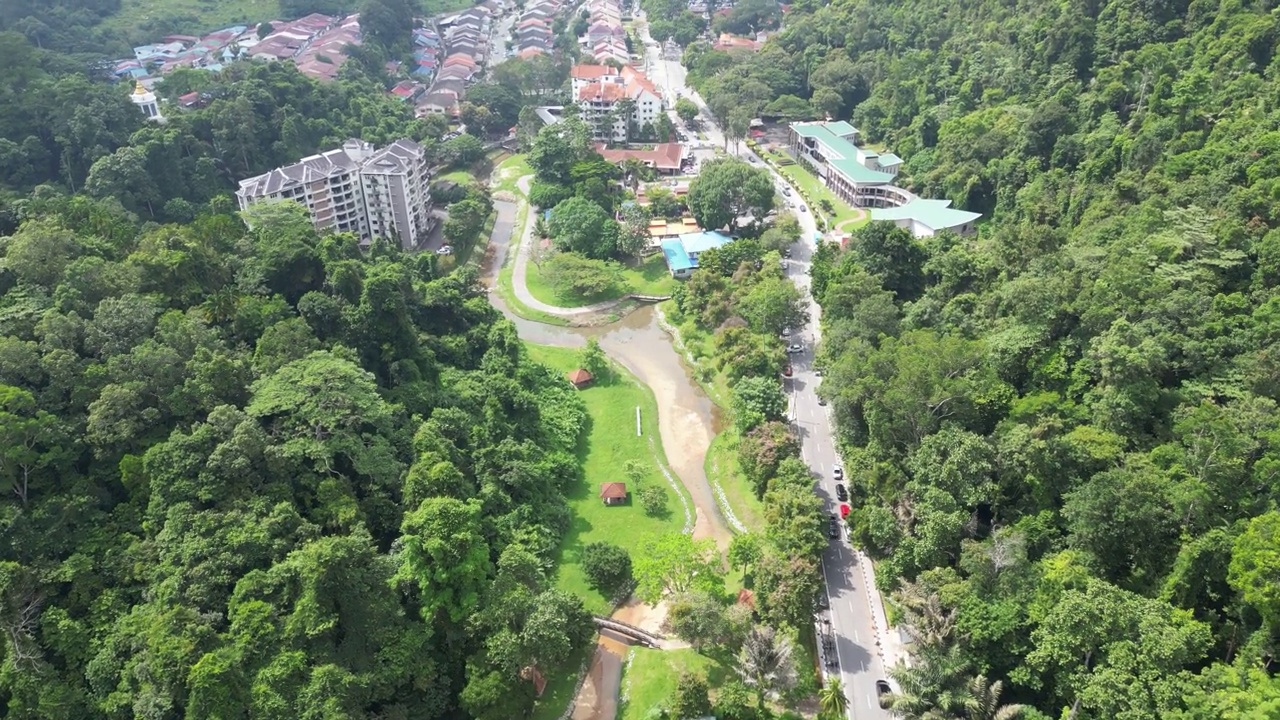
point(610, 443)
point(649, 277)
point(148, 20)
point(509, 172)
point(816, 191)
point(722, 469)
point(650, 677)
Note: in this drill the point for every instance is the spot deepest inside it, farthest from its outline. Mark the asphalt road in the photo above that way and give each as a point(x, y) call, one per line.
point(849, 619)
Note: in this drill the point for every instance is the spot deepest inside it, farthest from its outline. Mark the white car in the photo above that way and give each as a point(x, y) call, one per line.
point(445, 250)
point(794, 348)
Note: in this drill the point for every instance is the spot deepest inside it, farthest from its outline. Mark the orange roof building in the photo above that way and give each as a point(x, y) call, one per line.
point(614, 493)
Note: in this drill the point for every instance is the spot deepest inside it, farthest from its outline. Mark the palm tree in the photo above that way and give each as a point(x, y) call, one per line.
point(983, 702)
point(922, 609)
point(832, 701)
point(765, 662)
point(934, 689)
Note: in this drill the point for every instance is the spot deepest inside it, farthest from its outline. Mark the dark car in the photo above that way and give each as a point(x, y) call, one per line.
point(834, 527)
point(786, 252)
point(822, 400)
point(841, 493)
point(786, 371)
point(882, 692)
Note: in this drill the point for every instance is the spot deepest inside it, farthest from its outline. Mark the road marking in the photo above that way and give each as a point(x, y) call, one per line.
point(856, 638)
point(869, 703)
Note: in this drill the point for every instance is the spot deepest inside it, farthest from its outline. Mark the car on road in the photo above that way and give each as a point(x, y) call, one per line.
point(844, 510)
point(833, 528)
point(786, 332)
point(786, 191)
point(786, 252)
point(883, 691)
point(751, 158)
point(838, 473)
point(804, 209)
point(793, 348)
point(786, 371)
point(841, 493)
point(822, 401)
point(445, 250)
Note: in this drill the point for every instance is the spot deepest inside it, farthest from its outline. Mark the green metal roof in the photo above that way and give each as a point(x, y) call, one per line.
point(841, 127)
point(848, 165)
point(859, 173)
point(888, 159)
point(933, 214)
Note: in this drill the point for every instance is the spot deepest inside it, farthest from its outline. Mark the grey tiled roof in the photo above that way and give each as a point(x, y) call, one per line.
point(398, 157)
point(305, 171)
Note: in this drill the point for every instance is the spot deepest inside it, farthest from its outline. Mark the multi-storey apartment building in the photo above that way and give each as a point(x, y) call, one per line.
point(357, 189)
point(598, 90)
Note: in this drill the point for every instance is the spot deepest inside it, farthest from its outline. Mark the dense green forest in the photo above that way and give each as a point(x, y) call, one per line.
point(1063, 431)
point(261, 474)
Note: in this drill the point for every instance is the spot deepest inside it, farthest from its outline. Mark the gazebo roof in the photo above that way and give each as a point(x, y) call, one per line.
point(579, 376)
point(613, 490)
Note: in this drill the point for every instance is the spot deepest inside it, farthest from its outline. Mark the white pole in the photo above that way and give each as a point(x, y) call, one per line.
point(637, 421)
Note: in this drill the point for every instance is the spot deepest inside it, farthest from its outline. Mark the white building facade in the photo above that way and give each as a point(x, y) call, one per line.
point(599, 88)
point(356, 189)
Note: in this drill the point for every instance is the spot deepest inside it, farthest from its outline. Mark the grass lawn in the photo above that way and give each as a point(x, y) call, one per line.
point(139, 18)
point(560, 686)
point(649, 277)
point(509, 171)
point(459, 176)
point(815, 190)
point(650, 677)
point(722, 469)
point(147, 20)
point(611, 441)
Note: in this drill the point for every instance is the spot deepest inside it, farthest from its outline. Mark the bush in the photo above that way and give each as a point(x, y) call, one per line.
point(608, 567)
point(654, 500)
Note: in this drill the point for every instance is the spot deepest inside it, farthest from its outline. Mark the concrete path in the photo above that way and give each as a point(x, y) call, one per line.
point(520, 273)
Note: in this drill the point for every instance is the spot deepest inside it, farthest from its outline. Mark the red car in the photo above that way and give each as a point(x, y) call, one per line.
point(844, 510)
point(786, 371)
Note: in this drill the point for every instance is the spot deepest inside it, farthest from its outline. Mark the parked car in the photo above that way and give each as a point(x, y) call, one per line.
point(786, 332)
point(882, 693)
point(822, 401)
point(445, 250)
point(841, 493)
point(794, 348)
point(786, 252)
point(844, 510)
point(834, 527)
point(786, 191)
point(786, 371)
point(838, 472)
point(804, 209)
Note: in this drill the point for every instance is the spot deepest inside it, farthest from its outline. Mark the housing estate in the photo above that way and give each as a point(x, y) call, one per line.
point(356, 188)
point(864, 178)
point(599, 89)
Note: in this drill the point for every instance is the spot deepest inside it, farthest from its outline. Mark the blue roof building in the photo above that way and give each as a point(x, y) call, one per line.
point(682, 253)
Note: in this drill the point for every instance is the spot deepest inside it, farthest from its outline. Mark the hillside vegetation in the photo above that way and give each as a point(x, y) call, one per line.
point(263, 474)
point(1063, 431)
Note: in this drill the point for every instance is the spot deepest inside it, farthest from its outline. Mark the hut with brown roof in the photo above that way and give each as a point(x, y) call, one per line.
point(614, 493)
point(580, 378)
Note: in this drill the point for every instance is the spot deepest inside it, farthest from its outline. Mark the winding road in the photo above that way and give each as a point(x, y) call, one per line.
point(863, 643)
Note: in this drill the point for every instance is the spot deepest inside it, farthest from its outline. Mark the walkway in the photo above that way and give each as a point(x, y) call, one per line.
point(520, 273)
point(862, 215)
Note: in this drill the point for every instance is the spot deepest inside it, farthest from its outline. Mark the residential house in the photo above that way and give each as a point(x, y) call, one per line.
point(682, 253)
point(664, 157)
